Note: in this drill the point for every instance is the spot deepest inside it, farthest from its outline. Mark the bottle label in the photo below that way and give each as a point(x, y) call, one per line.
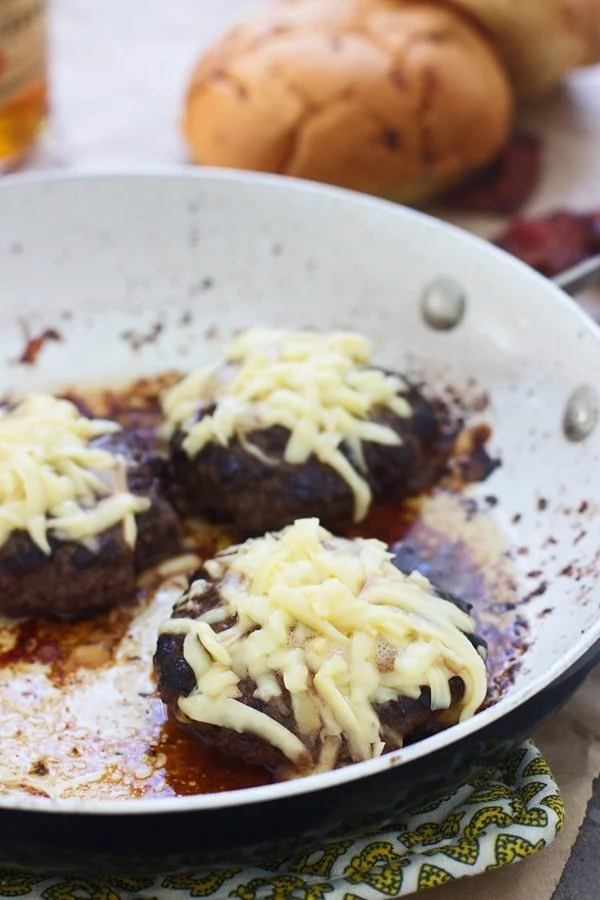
point(22, 48)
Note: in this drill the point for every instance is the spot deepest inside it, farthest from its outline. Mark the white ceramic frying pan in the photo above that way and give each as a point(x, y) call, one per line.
point(138, 274)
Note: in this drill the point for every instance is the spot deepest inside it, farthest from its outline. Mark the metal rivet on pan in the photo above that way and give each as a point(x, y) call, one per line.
point(581, 413)
point(443, 304)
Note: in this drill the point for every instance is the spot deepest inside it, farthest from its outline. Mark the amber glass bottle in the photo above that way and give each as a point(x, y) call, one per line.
point(23, 78)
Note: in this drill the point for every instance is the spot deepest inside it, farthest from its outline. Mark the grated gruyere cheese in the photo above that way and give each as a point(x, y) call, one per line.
point(334, 622)
point(319, 387)
point(53, 481)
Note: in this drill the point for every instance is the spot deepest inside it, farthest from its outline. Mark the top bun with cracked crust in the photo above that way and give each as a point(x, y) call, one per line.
point(539, 40)
point(389, 97)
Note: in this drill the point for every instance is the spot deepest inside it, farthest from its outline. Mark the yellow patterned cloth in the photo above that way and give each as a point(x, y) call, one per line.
point(495, 819)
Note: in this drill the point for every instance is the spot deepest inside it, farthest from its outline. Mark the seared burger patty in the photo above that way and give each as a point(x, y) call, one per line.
point(74, 581)
point(231, 485)
point(400, 720)
point(206, 614)
point(288, 424)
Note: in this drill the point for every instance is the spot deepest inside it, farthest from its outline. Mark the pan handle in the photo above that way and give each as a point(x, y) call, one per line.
point(579, 277)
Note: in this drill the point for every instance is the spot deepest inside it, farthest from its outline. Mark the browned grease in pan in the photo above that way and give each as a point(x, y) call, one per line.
point(78, 705)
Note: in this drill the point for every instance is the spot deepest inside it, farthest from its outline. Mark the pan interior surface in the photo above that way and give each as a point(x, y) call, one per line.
point(135, 276)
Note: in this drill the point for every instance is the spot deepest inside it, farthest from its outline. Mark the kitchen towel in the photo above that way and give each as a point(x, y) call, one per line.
point(499, 817)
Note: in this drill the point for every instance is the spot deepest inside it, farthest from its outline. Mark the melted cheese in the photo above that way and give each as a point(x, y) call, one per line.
point(337, 625)
point(318, 386)
point(54, 481)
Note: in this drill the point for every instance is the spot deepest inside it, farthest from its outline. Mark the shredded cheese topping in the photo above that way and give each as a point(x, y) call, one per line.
point(318, 386)
point(53, 481)
point(334, 623)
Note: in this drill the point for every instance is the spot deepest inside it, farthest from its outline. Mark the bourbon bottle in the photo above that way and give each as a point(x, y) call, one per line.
point(23, 79)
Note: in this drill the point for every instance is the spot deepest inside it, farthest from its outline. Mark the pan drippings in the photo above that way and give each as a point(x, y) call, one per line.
point(95, 726)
